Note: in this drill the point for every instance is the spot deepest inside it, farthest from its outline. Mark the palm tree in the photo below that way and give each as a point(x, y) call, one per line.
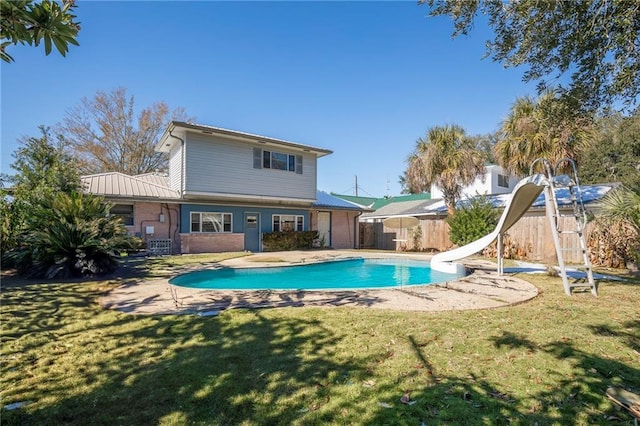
point(543, 127)
point(623, 206)
point(446, 157)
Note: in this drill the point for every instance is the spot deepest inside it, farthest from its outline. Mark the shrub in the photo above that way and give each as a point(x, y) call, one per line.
point(288, 240)
point(475, 219)
point(416, 238)
point(70, 235)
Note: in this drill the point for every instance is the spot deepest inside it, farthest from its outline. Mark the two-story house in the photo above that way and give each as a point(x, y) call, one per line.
point(226, 188)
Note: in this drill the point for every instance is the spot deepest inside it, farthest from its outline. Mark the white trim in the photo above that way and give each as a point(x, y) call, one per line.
point(241, 197)
point(191, 231)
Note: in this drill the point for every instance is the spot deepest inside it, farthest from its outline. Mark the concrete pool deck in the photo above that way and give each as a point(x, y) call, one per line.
point(483, 289)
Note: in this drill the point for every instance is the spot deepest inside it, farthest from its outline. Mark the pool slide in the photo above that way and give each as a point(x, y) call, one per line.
point(524, 194)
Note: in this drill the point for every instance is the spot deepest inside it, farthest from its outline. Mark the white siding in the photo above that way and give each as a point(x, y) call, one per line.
point(175, 168)
point(489, 186)
point(218, 165)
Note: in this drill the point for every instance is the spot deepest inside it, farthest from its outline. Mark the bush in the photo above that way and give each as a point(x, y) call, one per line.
point(288, 240)
point(476, 219)
point(416, 238)
point(70, 235)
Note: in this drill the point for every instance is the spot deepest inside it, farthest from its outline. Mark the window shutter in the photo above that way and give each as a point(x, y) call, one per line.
point(257, 158)
point(299, 164)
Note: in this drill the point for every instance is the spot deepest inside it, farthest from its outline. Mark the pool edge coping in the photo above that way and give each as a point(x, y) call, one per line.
point(158, 297)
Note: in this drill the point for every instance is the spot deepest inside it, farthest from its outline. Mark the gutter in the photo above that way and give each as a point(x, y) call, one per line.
point(356, 227)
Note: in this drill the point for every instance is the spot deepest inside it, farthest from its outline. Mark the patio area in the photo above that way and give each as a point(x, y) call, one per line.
point(482, 289)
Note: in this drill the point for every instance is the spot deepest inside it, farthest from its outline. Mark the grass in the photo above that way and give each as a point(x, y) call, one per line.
point(548, 361)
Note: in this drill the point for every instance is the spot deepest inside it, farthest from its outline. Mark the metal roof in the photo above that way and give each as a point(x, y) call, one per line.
point(401, 208)
point(361, 201)
point(590, 195)
point(160, 179)
point(377, 203)
point(156, 186)
point(166, 141)
point(115, 184)
point(325, 200)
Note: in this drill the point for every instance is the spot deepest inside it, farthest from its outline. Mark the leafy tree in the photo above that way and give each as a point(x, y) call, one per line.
point(28, 22)
point(595, 41)
point(49, 229)
point(473, 220)
point(614, 154)
point(43, 169)
point(485, 143)
point(70, 235)
point(542, 127)
point(402, 181)
point(107, 136)
point(446, 157)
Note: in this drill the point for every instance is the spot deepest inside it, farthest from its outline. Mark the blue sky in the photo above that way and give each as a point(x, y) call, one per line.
point(364, 79)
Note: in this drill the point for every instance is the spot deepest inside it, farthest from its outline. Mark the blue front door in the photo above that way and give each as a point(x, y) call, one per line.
point(252, 232)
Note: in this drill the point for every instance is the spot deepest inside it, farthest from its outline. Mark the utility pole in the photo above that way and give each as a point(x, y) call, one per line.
point(356, 185)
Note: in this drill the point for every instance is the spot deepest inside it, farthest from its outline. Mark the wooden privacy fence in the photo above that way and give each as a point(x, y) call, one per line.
point(530, 236)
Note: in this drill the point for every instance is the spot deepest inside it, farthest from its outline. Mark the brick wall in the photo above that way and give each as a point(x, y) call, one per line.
point(211, 243)
point(148, 214)
point(342, 228)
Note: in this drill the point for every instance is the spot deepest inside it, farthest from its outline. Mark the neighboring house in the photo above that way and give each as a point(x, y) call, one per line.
point(494, 181)
point(532, 231)
point(225, 189)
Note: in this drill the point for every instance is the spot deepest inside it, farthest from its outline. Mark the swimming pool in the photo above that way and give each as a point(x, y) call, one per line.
point(356, 273)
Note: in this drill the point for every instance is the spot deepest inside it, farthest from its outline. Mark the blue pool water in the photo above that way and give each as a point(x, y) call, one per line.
point(336, 275)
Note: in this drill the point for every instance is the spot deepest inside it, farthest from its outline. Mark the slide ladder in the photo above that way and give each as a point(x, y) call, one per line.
point(569, 231)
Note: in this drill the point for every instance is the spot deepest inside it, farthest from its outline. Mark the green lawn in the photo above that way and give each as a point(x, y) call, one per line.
point(547, 361)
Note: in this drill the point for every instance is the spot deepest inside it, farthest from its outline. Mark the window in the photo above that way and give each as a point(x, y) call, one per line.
point(123, 211)
point(286, 222)
point(210, 222)
point(503, 181)
point(263, 159)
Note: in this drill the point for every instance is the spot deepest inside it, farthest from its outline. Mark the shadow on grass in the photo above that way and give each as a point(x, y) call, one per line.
point(191, 369)
point(79, 364)
point(590, 375)
point(576, 399)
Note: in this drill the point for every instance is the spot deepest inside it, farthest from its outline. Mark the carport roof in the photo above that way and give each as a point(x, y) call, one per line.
point(325, 200)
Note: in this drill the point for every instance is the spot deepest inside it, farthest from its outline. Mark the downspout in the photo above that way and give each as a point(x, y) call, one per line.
point(182, 149)
point(356, 223)
point(169, 211)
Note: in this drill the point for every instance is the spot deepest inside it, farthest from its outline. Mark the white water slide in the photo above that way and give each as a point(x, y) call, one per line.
point(523, 196)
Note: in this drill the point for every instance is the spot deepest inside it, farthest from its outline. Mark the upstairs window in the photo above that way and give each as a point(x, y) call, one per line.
point(263, 159)
point(210, 222)
point(124, 212)
point(286, 222)
point(503, 181)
